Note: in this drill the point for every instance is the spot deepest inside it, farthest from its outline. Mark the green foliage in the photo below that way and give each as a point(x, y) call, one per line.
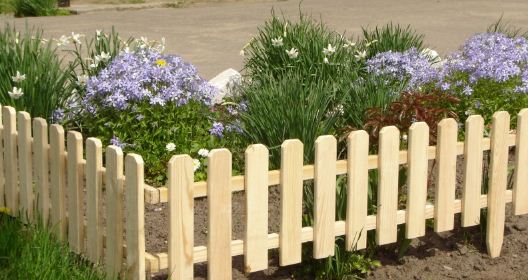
point(391, 37)
point(30, 8)
point(505, 27)
point(30, 252)
point(45, 86)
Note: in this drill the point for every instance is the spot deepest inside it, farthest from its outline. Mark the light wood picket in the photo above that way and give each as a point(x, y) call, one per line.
point(520, 187)
point(498, 176)
point(114, 211)
point(417, 180)
point(473, 157)
point(10, 158)
point(256, 249)
point(291, 187)
point(135, 221)
point(219, 213)
point(25, 165)
point(2, 176)
point(94, 199)
point(75, 185)
point(389, 147)
point(324, 196)
point(357, 193)
point(446, 158)
point(181, 217)
point(58, 182)
point(41, 164)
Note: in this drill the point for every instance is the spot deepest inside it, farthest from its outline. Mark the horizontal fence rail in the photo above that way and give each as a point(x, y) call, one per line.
point(81, 189)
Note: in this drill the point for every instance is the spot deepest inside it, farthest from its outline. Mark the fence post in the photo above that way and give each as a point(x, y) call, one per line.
point(181, 217)
point(2, 170)
point(75, 191)
point(219, 213)
point(135, 222)
point(520, 187)
point(58, 181)
point(24, 166)
point(256, 182)
point(416, 180)
point(41, 164)
point(388, 166)
point(114, 211)
point(10, 156)
point(497, 183)
point(94, 188)
point(357, 192)
point(446, 157)
point(324, 196)
point(473, 157)
point(291, 186)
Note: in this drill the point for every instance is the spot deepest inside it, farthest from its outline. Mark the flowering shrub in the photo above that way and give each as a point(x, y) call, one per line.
point(155, 105)
point(489, 73)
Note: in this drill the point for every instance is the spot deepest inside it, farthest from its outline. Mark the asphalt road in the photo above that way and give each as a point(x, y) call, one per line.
point(210, 35)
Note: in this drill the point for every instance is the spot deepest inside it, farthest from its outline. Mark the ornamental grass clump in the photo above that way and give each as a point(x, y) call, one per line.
point(392, 37)
point(489, 73)
point(155, 105)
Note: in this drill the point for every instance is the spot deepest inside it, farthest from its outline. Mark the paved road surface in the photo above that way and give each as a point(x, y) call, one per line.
point(211, 35)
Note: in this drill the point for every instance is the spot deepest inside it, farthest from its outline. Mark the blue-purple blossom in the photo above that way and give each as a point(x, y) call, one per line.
point(136, 77)
point(117, 142)
point(411, 66)
point(217, 129)
point(57, 116)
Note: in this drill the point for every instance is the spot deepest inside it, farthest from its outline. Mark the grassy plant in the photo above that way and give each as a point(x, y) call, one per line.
point(30, 252)
point(505, 27)
point(24, 8)
point(391, 37)
point(45, 84)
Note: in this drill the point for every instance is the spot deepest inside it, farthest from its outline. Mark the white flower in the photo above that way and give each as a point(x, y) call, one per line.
point(196, 164)
point(63, 41)
point(370, 43)
point(293, 53)
point(325, 60)
point(277, 42)
point(93, 65)
point(203, 152)
point(170, 147)
point(98, 32)
point(431, 54)
point(404, 137)
point(242, 52)
point(76, 38)
point(361, 55)
point(82, 79)
point(105, 56)
point(18, 78)
point(329, 50)
point(349, 44)
point(16, 93)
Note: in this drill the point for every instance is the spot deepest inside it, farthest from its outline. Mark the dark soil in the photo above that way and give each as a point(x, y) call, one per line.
point(457, 254)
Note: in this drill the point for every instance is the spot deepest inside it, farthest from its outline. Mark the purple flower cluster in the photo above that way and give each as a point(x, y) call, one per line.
point(217, 130)
point(492, 56)
point(146, 76)
point(411, 66)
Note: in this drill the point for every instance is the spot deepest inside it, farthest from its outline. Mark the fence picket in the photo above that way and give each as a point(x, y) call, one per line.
point(324, 196)
point(520, 187)
point(58, 182)
point(25, 166)
point(498, 176)
point(389, 149)
point(219, 213)
point(10, 157)
point(416, 180)
point(94, 188)
point(75, 177)
point(41, 164)
point(181, 217)
point(446, 157)
point(256, 182)
point(114, 211)
point(473, 157)
point(135, 222)
point(357, 193)
point(2, 170)
point(291, 185)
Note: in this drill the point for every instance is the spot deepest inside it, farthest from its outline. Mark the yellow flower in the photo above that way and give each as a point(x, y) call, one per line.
point(4, 210)
point(161, 62)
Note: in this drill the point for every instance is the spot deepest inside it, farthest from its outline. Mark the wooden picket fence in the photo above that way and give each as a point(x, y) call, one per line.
point(41, 172)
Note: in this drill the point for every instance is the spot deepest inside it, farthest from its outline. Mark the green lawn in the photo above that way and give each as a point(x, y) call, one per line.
point(29, 252)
